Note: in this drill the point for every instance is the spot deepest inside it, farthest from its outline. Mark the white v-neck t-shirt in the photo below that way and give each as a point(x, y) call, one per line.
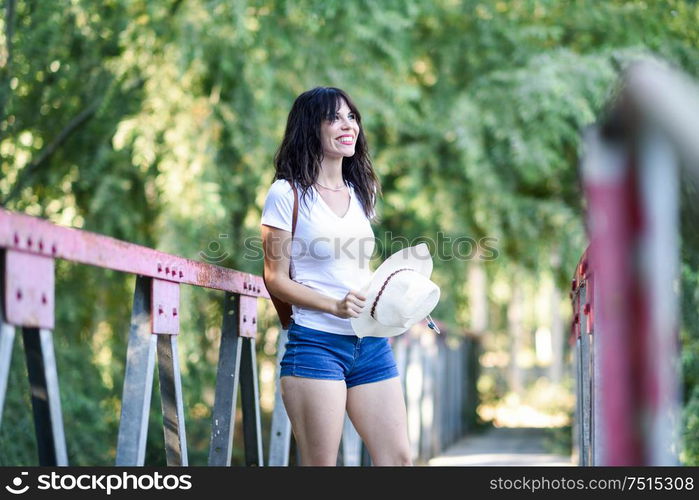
point(329, 253)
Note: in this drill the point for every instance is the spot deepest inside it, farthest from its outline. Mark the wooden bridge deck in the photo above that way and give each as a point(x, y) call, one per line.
point(502, 447)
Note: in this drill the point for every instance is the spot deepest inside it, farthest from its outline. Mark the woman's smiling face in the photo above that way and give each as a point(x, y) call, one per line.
point(338, 136)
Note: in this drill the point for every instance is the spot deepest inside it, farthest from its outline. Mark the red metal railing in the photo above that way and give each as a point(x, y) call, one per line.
point(441, 395)
point(582, 336)
point(29, 248)
point(625, 302)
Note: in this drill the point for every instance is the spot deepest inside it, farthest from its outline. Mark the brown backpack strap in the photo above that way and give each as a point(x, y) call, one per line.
point(296, 210)
point(284, 310)
point(294, 217)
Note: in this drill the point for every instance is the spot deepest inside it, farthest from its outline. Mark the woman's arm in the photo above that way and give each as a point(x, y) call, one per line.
point(276, 245)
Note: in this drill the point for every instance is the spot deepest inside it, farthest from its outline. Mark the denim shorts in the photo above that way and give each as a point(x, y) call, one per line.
point(317, 354)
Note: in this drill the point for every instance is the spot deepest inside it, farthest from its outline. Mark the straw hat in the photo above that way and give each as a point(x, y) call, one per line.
point(399, 294)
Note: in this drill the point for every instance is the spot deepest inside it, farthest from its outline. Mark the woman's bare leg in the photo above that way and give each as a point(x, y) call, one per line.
point(377, 411)
point(316, 409)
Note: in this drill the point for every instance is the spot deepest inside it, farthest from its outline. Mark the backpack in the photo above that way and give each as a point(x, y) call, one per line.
point(284, 308)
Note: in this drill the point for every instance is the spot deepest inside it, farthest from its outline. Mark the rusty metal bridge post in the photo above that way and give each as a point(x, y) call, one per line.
point(237, 366)
point(154, 329)
point(27, 301)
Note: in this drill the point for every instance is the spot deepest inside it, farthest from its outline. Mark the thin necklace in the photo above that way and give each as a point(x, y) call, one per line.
point(332, 189)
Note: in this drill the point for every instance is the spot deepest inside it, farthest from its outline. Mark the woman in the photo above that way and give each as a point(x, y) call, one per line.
point(326, 368)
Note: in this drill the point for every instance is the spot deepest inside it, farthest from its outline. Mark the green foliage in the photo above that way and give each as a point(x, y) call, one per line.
point(690, 435)
point(156, 122)
point(17, 438)
point(689, 332)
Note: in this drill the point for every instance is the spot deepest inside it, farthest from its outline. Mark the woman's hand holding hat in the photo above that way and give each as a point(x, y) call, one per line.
point(351, 305)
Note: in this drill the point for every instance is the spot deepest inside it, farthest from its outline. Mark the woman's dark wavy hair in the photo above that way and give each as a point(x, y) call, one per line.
point(300, 153)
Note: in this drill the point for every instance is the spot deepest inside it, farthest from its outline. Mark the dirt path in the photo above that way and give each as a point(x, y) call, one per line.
point(502, 446)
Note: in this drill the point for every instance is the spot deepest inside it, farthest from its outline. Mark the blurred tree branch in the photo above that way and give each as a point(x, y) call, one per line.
point(9, 32)
point(9, 27)
point(26, 174)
